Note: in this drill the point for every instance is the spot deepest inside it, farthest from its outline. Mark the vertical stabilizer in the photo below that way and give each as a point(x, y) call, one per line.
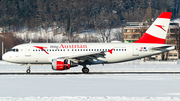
point(157, 32)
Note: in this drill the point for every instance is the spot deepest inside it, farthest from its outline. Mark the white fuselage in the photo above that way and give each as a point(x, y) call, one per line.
point(30, 54)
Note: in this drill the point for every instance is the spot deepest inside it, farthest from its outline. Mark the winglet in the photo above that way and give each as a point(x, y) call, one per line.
point(110, 51)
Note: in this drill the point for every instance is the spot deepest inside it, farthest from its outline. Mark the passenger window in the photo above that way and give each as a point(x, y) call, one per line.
point(119, 49)
point(116, 49)
point(72, 49)
point(97, 49)
point(122, 49)
point(83, 49)
point(17, 50)
point(89, 50)
point(86, 49)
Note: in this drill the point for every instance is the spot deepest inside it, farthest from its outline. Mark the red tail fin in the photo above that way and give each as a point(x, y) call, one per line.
point(157, 31)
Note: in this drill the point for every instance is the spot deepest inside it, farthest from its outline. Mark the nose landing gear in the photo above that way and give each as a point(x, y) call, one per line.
point(28, 69)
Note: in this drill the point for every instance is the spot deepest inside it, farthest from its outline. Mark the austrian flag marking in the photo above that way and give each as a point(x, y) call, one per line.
point(143, 49)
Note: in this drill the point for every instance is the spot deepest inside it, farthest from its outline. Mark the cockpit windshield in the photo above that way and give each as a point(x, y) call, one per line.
point(14, 50)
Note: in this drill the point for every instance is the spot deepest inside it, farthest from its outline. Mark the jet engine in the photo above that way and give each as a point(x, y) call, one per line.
point(60, 64)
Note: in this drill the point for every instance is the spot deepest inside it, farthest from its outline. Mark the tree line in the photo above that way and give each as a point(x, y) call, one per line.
point(78, 15)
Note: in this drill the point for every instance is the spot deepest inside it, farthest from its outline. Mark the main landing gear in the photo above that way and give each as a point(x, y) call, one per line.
point(28, 69)
point(85, 69)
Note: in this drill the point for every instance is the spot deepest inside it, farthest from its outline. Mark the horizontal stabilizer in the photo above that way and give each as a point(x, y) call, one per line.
point(161, 48)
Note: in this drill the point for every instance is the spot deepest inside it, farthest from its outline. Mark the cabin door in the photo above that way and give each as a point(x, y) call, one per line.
point(28, 51)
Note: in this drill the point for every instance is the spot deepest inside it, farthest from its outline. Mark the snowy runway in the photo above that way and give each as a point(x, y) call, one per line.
point(53, 86)
point(125, 87)
point(90, 85)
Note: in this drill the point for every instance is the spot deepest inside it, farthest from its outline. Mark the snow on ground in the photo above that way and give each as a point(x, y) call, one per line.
point(83, 98)
point(146, 87)
point(109, 87)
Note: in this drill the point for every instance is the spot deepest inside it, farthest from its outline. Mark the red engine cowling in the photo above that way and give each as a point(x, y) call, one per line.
point(59, 64)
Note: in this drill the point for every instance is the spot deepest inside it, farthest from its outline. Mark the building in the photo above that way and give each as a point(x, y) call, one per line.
point(134, 30)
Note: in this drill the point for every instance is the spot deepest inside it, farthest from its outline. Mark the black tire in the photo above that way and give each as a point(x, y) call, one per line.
point(28, 71)
point(85, 70)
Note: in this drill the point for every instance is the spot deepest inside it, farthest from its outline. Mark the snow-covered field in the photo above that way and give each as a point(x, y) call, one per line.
point(107, 87)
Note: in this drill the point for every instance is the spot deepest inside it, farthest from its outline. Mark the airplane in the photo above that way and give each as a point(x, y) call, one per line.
point(63, 56)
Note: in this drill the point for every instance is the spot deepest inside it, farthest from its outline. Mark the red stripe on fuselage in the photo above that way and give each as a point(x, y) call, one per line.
point(42, 48)
point(166, 15)
point(147, 38)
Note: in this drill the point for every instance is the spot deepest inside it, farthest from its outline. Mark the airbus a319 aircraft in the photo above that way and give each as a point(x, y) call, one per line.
point(63, 56)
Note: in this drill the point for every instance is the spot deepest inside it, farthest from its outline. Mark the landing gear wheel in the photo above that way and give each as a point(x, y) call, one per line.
point(28, 71)
point(85, 70)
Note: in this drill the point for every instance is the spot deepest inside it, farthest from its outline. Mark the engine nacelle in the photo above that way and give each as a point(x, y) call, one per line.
point(60, 64)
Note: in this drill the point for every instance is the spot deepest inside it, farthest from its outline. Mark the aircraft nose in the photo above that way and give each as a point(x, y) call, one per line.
point(4, 57)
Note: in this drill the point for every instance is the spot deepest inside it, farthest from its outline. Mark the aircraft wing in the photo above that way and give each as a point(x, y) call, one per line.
point(86, 57)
